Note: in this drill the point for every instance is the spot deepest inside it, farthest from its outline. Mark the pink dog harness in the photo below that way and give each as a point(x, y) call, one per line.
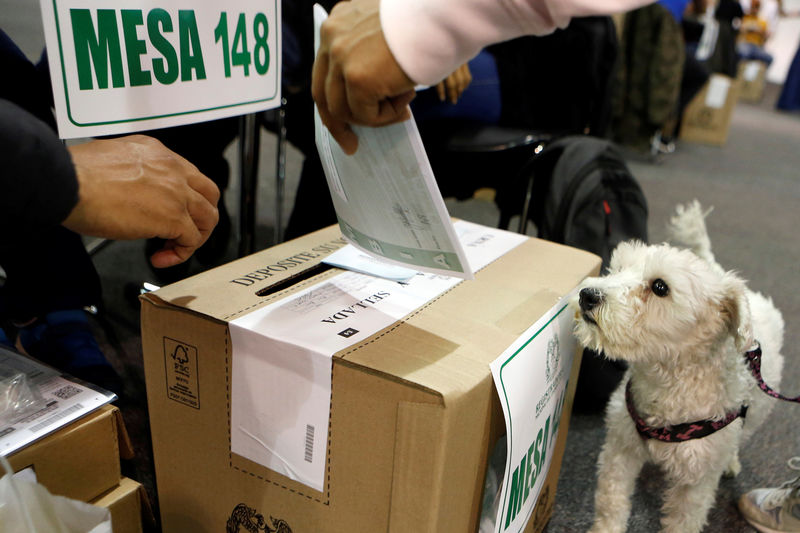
point(702, 428)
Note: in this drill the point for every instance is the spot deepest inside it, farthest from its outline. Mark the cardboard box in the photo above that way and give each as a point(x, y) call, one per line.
point(752, 76)
point(81, 460)
point(707, 118)
point(128, 505)
point(413, 414)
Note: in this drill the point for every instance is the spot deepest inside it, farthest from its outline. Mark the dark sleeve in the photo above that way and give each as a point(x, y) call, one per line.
point(38, 185)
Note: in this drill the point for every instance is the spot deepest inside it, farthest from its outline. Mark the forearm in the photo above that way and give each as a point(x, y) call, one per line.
point(38, 185)
point(429, 38)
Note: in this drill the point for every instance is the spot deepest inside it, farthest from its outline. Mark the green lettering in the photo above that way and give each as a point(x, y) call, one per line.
point(537, 456)
point(191, 52)
point(528, 471)
point(158, 20)
point(558, 409)
point(101, 49)
point(545, 438)
point(221, 33)
point(239, 51)
point(515, 496)
point(261, 31)
point(134, 47)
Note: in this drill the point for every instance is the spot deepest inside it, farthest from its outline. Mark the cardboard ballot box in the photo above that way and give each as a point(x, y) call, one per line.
point(752, 76)
point(81, 460)
point(412, 413)
point(128, 505)
point(707, 118)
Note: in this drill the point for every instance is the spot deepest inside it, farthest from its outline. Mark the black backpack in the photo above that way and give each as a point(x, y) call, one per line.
point(584, 195)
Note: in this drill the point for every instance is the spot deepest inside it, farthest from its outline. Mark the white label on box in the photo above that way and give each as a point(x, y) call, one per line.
point(282, 355)
point(718, 87)
point(751, 69)
point(531, 378)
point(133, 65)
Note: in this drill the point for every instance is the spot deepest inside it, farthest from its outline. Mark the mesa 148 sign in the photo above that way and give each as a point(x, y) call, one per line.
point(125, 66)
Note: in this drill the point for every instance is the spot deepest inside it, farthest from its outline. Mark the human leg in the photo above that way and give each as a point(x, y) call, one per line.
point(790, 94)
point(50, 279)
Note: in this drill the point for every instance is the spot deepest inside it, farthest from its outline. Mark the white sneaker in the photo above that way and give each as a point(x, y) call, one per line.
point(777, 509)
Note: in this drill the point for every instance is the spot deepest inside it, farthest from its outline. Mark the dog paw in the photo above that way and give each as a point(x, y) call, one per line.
point(599, 527)
point(734, 467)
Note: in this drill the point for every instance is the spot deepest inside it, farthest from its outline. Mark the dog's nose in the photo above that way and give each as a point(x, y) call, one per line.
point(589, 298)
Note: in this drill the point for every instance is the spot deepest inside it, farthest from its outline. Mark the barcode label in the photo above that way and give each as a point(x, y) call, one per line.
point(56, 417)
point(309, 456)
point(67, 392)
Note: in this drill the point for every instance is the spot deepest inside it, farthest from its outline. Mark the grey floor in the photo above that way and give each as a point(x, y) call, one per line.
point(753, 182)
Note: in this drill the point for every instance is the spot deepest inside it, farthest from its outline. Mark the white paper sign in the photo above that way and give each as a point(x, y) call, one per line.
point(133, 65)
point(531, 378)
point(751, 70)
point(282, 355)
point(717, 93)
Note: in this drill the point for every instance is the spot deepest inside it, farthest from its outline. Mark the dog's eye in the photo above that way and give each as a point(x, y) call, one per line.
point(660, 288)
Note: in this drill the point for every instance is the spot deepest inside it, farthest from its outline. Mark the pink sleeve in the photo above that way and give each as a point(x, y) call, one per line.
point(431, 38)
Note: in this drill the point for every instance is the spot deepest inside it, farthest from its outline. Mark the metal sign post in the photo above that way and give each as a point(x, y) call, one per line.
point(280, 172)
point(249, 140)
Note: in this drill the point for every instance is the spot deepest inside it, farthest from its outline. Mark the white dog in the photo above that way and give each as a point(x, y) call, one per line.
point(683, 324)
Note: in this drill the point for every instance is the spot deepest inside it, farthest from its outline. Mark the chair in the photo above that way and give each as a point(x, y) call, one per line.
point(505, 146)
point(550, 86)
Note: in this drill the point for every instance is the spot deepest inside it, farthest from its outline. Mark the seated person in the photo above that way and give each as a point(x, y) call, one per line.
point(753, 35)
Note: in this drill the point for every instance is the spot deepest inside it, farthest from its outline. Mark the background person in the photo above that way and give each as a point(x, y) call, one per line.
point(753, 35)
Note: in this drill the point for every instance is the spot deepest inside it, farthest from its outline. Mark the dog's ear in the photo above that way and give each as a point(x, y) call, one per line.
point(736, 311)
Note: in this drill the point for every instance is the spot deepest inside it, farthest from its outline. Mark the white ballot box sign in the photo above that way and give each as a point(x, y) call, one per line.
point(532, 377)
point(126, 66)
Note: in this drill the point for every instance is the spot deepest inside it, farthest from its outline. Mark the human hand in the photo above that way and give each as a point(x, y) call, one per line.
point(356, 79)
point(454, 85)
point(134, 187)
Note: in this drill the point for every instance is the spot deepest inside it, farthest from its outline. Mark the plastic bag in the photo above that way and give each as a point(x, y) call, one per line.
point(28, 507)
point(492, 486)
point(18, 398)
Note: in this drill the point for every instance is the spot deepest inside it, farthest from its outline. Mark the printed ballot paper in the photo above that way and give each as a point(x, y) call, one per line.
point(386, 198)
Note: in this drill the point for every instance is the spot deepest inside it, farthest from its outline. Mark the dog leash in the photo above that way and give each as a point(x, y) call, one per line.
point(753, 358)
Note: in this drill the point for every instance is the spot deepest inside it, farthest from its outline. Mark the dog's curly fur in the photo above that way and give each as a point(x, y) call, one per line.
point(685, 355)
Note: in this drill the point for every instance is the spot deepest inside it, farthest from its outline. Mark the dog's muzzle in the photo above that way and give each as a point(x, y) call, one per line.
point(589, 299)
